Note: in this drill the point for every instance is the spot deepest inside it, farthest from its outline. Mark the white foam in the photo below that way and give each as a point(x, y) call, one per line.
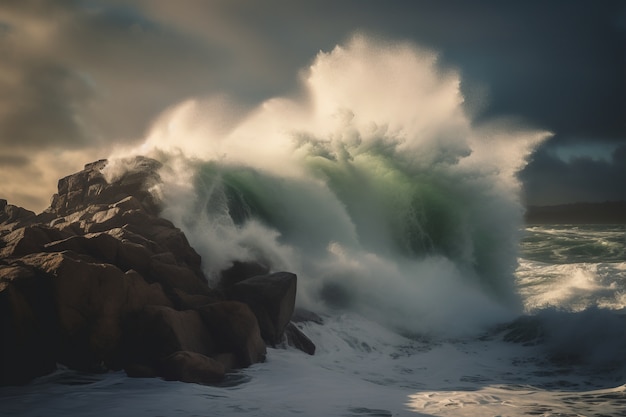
point(573, 286)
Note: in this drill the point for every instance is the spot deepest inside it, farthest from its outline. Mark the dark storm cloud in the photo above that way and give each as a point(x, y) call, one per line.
point(562, 66)
point(77, 77)
point(74, 74)
point(551, 180)
point(559, 64)
point(79, 74)
point(106, 68)
point(14, 161)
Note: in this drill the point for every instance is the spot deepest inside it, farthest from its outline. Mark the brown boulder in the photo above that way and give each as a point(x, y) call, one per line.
point(140, 293)
point(28, 325)
point(98, 281)
point(29, 239)
point(188, 301)
point(240, 271)
point(272, 299)
point(299, 340)
point(236, 330)
point(99, 246)
point(188, 366)
point(176, 276)
point(89, 186)
point(91, 299)
point(13, 215)
point(156, 332)
point(167, 236)
point(106, 248)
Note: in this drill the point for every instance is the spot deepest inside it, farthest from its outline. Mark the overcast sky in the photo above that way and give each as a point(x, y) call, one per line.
point(78, 77)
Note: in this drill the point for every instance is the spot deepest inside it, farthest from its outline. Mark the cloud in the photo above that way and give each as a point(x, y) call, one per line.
point(13, 160)
point(551, 180)
point(77, 78)
point(78, 75)
point(82, 76)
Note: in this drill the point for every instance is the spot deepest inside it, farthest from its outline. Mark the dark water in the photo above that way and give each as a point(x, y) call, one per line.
point(571, 244)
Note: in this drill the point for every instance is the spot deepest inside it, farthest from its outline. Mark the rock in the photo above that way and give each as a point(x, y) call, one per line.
point(240, 271)
point(91, 299)
point(192, 301)
point(176, 276)
point(301, 315)
point(132, 256)
point(156, 332)
point(29, 239)
point(236, 330)
point(272, 299)
point(166, 235)
point(28, 325)
point(191, 367)
point(13, 215)
point(90, 187)
point(138, 370)
point(100, 246)
point(299, 340)
point(99, 282)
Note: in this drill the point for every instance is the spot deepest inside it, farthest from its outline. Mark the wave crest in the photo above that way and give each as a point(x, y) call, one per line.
point(374, 186)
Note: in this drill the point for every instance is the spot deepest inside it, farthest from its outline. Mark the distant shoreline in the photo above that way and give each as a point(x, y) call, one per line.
point(609, 212)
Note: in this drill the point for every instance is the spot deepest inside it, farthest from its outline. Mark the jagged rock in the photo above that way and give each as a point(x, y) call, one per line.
point(272, 298)
point(236, 330)
point(191, 367)
point(13, 215)
point(176, 276)
point(29, 239)
point(296, 338)
point(167, 237)
point(90, 187)
point(156, 332)
point(91, 299)
point(240, 271)
point(28, 325)
point(301, 315)
point(98, 281)
point(192, 301)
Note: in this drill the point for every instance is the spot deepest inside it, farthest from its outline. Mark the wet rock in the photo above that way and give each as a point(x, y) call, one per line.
point(99, 281)
point(15, 216)
point(301, 315)
point(90, 300)
point(28, 239)
point(272, 299)
point(240, 271)
point(28, 325)
point(191, 367)
point(297, 339)
point(156, 332)
point(235, 330)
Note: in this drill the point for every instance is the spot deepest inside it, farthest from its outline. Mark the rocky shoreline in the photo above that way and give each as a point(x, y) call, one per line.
point(99, 282)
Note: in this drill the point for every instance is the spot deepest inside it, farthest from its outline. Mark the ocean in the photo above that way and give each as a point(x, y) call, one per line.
point(401, 216)
point(564, 356)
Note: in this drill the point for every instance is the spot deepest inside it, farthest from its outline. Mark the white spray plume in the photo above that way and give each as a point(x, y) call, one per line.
point(374, 186)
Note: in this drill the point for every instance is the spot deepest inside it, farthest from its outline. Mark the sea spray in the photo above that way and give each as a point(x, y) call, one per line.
point(372, 184)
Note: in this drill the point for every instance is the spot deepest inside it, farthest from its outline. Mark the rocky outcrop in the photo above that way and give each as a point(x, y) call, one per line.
point(99, 281)
point(271, 298)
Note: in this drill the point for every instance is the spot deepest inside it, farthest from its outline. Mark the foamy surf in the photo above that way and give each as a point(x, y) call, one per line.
point(373, 185)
